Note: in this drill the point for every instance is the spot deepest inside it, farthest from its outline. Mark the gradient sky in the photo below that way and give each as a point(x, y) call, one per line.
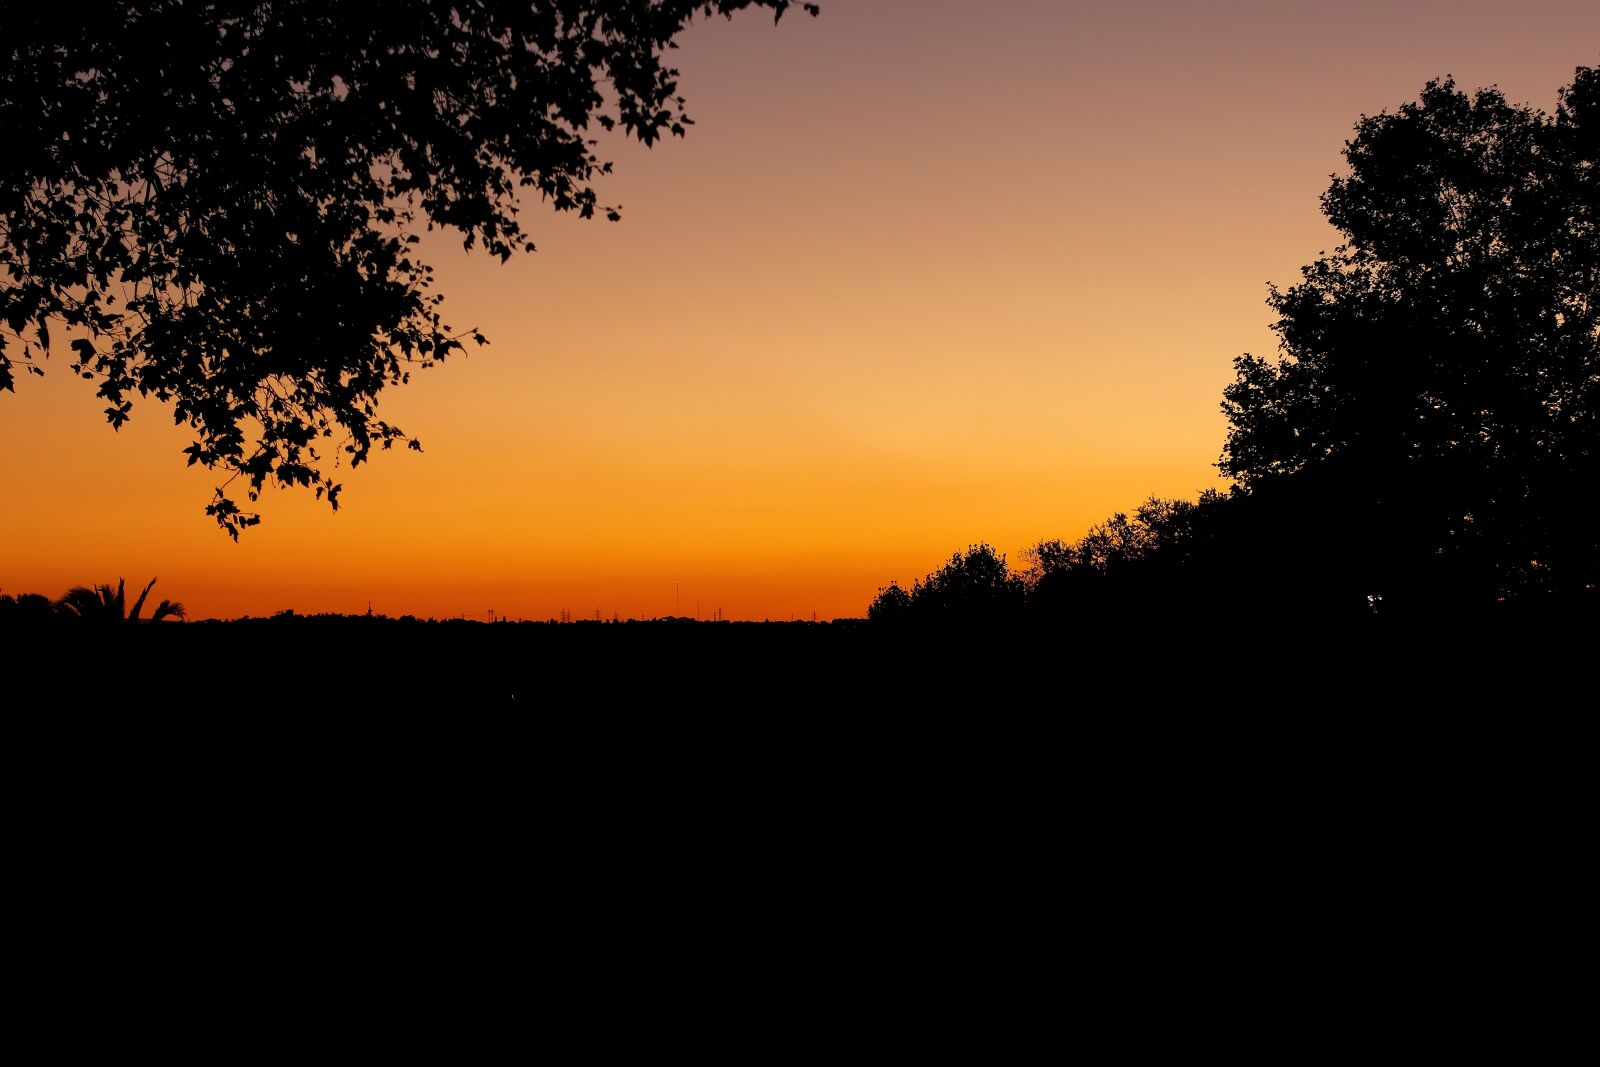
point(924, 273)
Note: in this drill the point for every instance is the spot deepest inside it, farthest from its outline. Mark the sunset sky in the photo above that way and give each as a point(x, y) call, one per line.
point(924, 273)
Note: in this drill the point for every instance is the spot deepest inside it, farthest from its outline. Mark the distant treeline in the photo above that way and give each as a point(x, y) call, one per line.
point(1303, 549)
point(35, 610)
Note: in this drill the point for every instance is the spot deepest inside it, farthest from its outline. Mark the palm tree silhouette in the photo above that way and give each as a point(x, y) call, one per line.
point(103, 604)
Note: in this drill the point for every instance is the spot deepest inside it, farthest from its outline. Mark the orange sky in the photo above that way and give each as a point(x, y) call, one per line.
point(924, 273)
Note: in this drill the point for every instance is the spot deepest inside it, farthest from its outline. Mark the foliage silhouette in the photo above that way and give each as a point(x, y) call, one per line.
point(892, 604)
point(25, 610)
point(1268, 556)
point(1423, 444)
point(973, 586)
point(220, 201)
point(1439, 381)
point(102, 604)
point(1123, 563)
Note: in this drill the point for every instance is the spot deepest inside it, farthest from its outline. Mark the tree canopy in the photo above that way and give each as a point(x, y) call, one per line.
point(1439, 374)
point(1424, 443)
point(975, 585)
point(220, 201)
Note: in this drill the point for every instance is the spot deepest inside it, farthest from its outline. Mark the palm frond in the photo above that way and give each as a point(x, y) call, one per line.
point(138, 605)
point(102, 603)
point(81, 601)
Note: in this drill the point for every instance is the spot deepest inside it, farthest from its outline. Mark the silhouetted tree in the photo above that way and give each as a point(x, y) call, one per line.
point(974, 586)
point(221, 200)
point(1433, 421)
point(892, 604)
point(102, 604)
point(1125, 564)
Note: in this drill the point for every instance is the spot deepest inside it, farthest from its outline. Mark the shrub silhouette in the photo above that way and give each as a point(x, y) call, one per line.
point(25, 610)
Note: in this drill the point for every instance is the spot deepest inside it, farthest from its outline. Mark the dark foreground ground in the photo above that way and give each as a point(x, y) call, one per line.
point(629, 710)
point(615, 804)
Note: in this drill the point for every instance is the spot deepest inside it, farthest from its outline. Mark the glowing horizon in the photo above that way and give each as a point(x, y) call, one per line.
point(923, 274)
